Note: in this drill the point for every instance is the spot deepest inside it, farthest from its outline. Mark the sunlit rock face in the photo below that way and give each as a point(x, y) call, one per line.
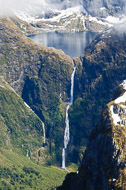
point(104, 163)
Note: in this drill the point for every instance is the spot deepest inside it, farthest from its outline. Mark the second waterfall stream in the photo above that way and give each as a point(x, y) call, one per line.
point(67, 131)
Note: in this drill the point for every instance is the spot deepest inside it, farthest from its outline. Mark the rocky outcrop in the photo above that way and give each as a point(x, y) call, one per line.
point(25, 27)
point(104, 162)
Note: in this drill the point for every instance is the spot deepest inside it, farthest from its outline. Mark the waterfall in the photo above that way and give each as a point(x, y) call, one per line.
point(63, 158)
point(67, 132)
point(72, 86)
point(43, 126)
point(27, 155)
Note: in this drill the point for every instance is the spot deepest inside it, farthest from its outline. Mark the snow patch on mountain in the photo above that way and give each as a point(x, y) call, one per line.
point(99, 21)
point(66, 20)
point(116, 20)
point(60, 14)
point(116, 119)
point(66, 13)
point(123, 97)
point(52, 15)
point(123, 84)
point(118, 109)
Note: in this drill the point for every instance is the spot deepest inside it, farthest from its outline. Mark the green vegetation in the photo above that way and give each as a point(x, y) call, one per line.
point(99, 72)
point(72, 167)
point(41, 76)
point(18, 172)
point(50, 109)
point(22, 134)
point(21, 130)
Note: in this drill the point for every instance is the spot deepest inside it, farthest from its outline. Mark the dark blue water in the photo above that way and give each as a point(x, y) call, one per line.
point(73, 44)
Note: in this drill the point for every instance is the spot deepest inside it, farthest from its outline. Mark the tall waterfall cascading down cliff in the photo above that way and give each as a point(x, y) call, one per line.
point(67, 132)
point(44, 136)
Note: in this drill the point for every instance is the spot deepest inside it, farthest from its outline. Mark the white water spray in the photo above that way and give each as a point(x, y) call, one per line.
point(43, 126)
point(27, 155)
point(67, 132)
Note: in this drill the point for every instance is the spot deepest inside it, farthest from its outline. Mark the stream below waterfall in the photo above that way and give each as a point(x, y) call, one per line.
point(44, 135)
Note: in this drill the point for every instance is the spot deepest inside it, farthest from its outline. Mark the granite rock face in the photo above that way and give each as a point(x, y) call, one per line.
point(104, 162)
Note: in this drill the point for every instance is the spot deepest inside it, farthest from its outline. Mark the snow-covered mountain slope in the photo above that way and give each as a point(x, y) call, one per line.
point(71, 15)
point(66, 20)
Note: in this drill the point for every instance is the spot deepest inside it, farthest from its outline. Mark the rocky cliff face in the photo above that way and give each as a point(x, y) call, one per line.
point(40, 75)
point(104, 162)
point(20, 55)
point(99, 71)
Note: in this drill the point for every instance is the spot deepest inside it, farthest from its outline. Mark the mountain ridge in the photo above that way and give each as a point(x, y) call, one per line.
point(74, 16)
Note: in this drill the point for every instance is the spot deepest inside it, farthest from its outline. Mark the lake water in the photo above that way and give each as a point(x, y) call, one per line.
point(73, 44)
